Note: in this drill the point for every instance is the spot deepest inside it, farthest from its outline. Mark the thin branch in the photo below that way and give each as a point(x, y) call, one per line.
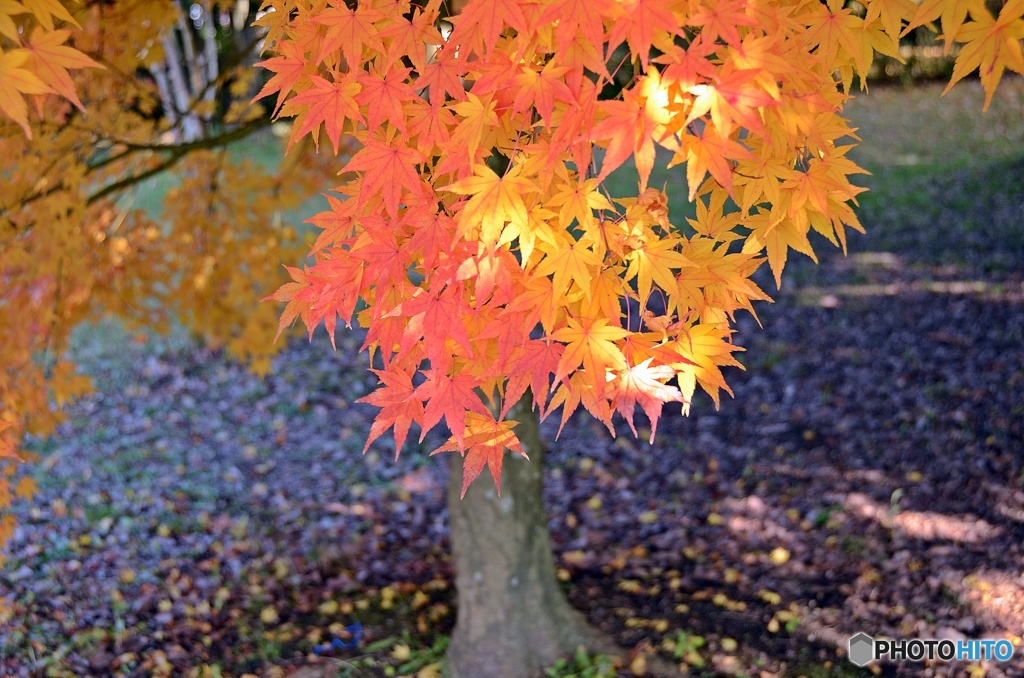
point(177, 153)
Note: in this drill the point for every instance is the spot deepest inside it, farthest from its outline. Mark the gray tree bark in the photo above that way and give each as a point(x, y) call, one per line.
point(513, 619)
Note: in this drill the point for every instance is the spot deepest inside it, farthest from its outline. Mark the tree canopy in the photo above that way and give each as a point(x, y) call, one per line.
point(471, 234)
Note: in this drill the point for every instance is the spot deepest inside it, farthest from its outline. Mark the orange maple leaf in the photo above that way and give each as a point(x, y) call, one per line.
point(15, 80)
point(52, 59)
point(287, 69)
point(383, 97)
point(330, 102)
point(590, 342)
point(639, 20)
point(449, 397)
point(47, 10)
point(399, 406)
point(350, 30)
point(390, 169)
point(495, 200)
point(480, 23)
point(484, 444)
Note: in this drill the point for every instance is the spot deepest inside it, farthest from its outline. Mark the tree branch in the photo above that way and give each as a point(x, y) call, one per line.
point(177, 152)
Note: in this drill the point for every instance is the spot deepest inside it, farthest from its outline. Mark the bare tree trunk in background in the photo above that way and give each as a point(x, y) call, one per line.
point(513, 619)
point(187, 75)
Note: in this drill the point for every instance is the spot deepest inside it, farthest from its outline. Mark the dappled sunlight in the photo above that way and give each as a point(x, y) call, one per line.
point(930, 525)
point(923, 524)
point(1010, 293)
point(750, 519)
point(1000, 594)
point(887, 260)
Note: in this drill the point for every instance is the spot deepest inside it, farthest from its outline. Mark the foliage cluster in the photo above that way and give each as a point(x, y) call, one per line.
point(472, 235)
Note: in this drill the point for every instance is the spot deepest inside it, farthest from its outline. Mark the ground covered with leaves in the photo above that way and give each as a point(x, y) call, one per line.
point(868, 475)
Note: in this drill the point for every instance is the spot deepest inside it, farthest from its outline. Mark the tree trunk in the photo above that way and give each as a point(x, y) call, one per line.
point(513, 619)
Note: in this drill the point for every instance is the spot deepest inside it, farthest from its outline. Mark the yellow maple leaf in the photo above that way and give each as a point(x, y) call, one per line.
point(990, 46)
point(495, 200)
point(15, 80)
point(571, 263)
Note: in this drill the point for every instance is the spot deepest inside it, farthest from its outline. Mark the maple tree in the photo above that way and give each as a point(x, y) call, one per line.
point(474, 235)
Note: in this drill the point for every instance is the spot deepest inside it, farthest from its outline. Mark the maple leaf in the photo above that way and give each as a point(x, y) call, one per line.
point(481, 22)
point(573, 263)
point(590, 342)
point(578, 199)
point(16, 80)
point(287, 68)
point(9, 8)
point(435, 319)
point(541, 89)
point(407, 38)
point(952, 12)
point(48, 10)
point(654, 261)
point(289, 294)
point(705, 349)
point(538, 302)
point(833, 28)
point(432, 234)
point(443, 76)
point(484, 444)
point(51, 59)
point(638, 23)
point(399, 407)
point(478, 119)
point(329, 102)
point(688, 66)
point(733, 98)
point(533, 370)
point(990, 46)
point(720, 19)
point(582, 18)
point(451, 398)
point(389, 168)
point(629, 126)
point(892, 13)
point(350, 30)
point(644, 385)
point(495, 201)
point(706, 153)
point(776, 234)
point(383, 97)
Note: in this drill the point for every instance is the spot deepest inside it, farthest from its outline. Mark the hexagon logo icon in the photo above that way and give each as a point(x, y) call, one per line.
point(862, 649)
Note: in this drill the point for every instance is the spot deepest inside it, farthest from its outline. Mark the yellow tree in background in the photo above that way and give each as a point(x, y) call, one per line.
point(96, 98)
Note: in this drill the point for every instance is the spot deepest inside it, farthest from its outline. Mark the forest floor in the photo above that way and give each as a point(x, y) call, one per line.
point(868, 475)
